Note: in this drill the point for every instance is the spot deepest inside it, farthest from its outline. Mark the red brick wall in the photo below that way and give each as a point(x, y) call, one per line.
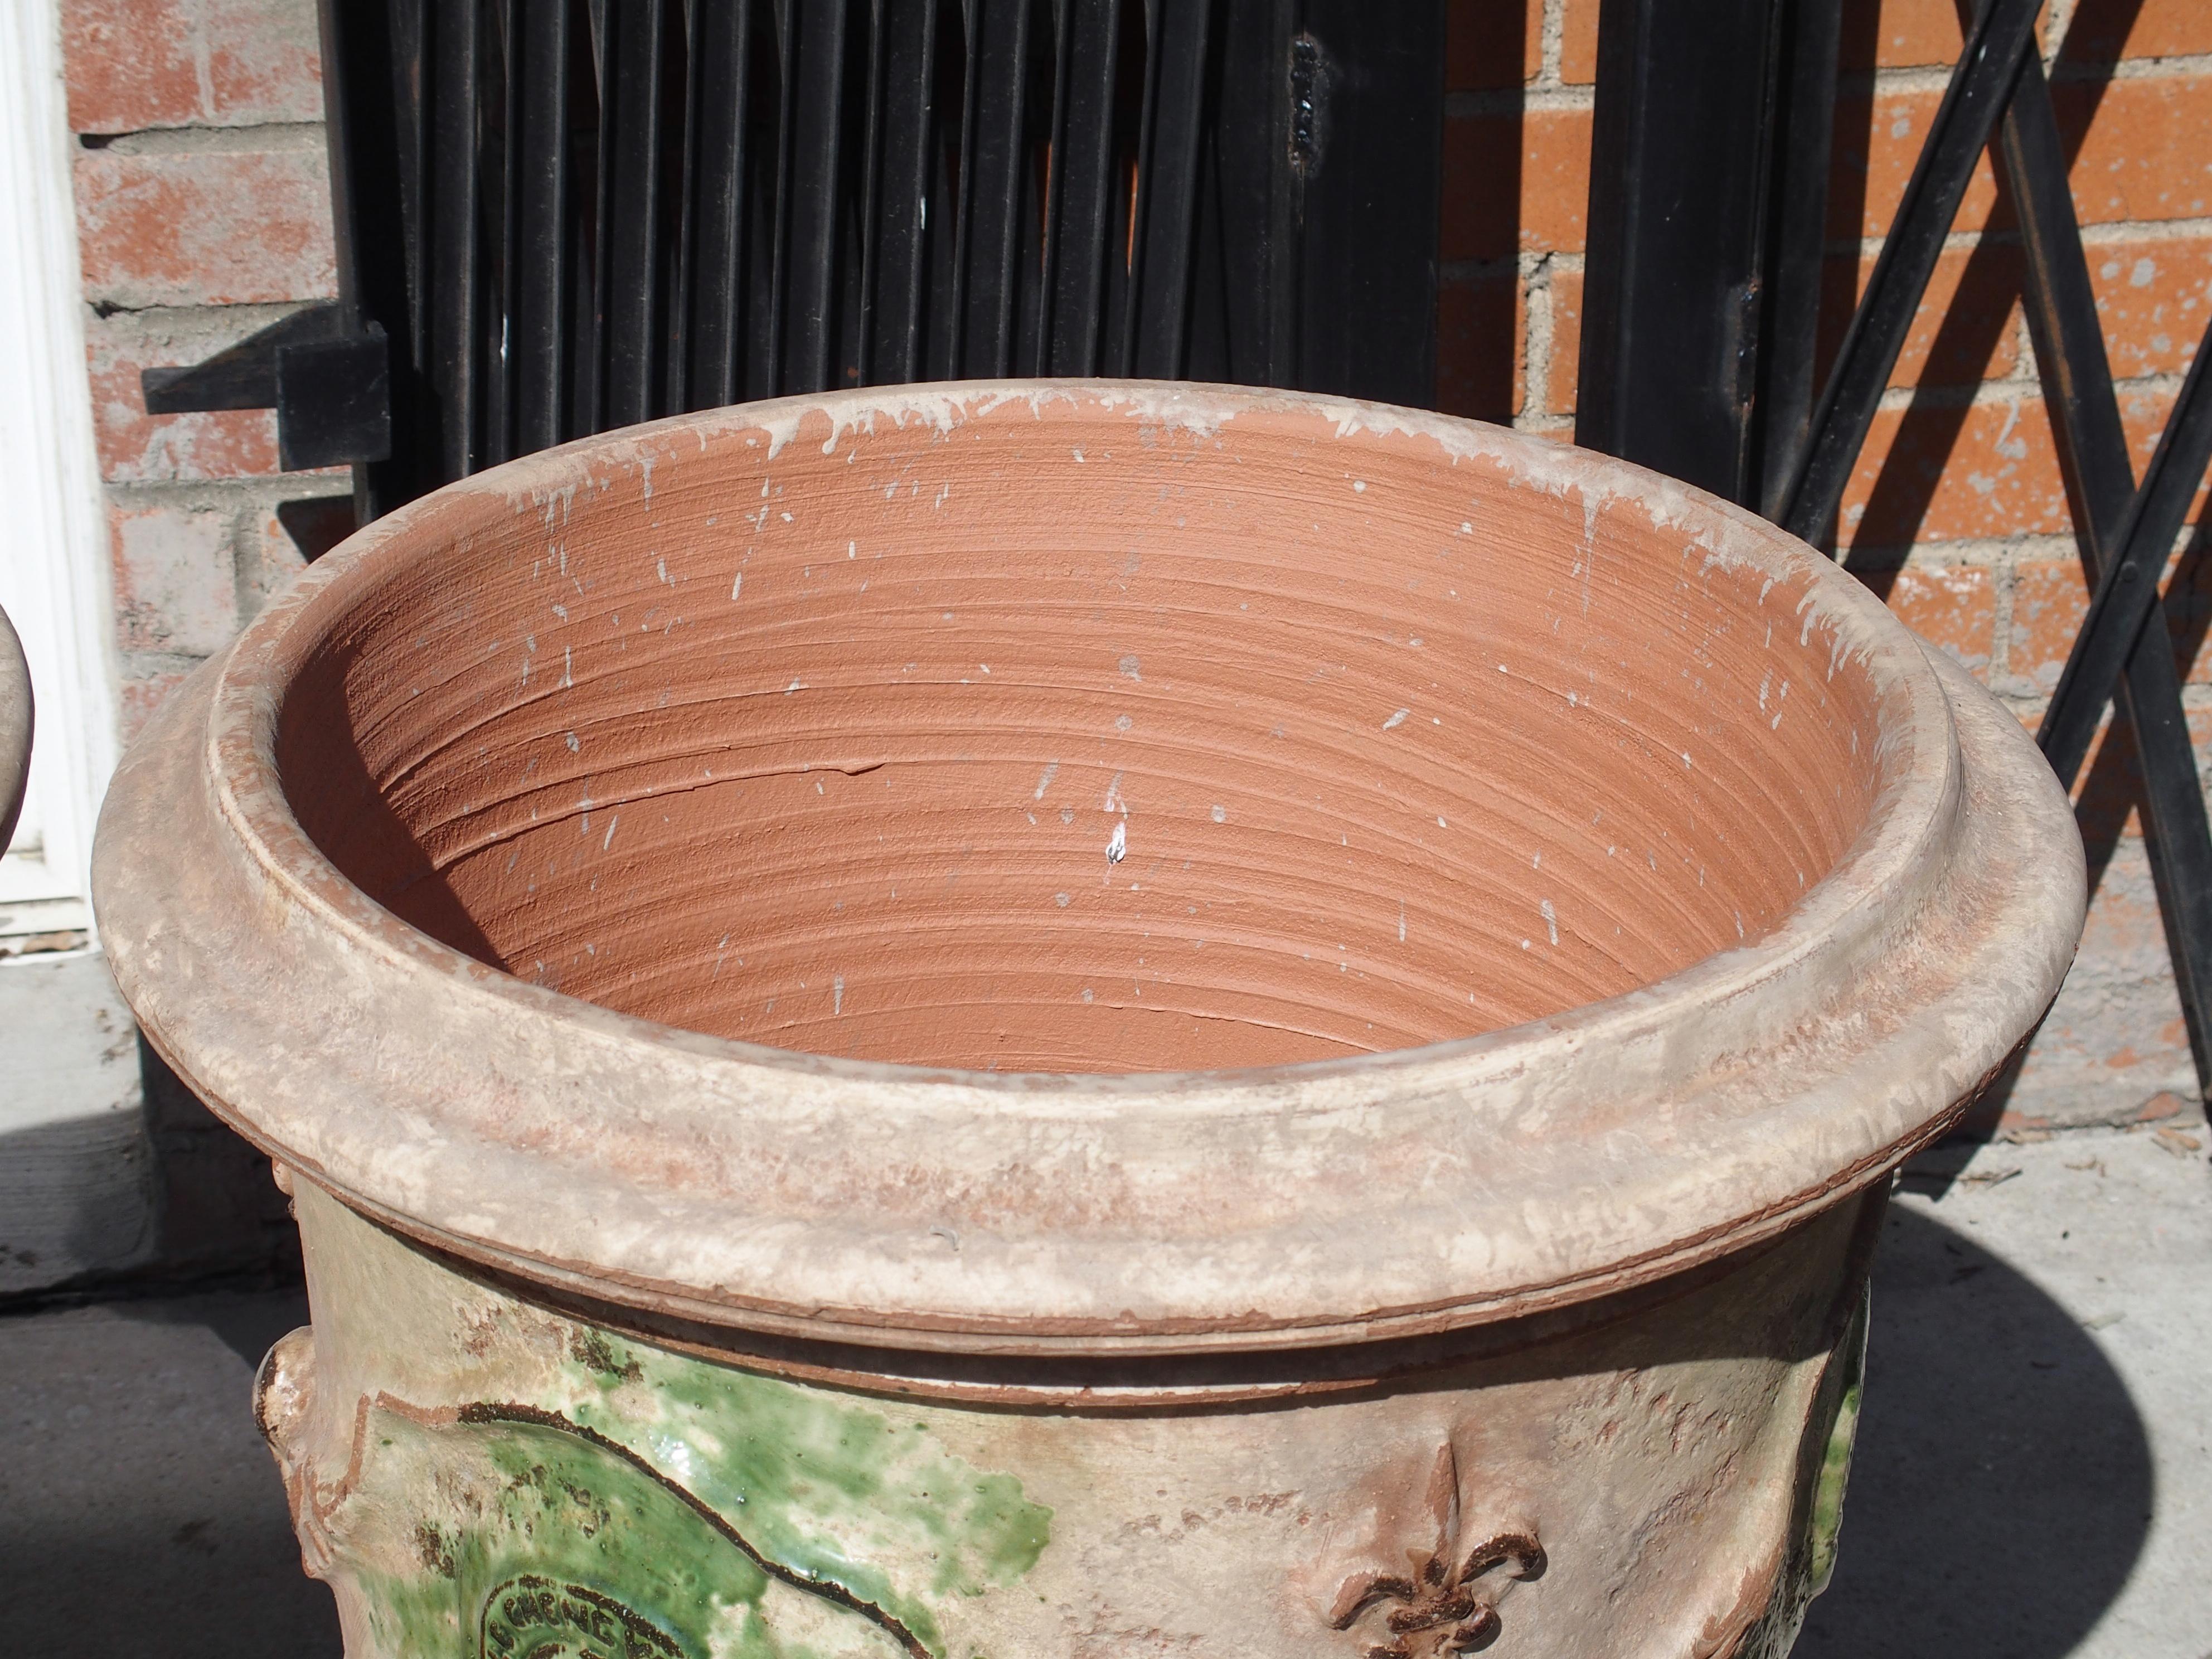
point(204, 213)
point(203, 207)
point(1957, 514)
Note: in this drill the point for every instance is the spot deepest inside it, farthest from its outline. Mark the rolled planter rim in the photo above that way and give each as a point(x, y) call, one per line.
point(855, 1201)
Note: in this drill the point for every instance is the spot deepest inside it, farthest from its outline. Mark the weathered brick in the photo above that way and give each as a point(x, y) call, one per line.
point(1939, 472)
point(2143, 156)
point(1566, 343)
point(276, 555)
point(205, 227)
point(1946, 473)
point(1899, 34)
point(135, 448)
point(1555, 179)
point(2110, 785)
point(1514, 181)
point(1578, 43)
point(1953, 607)
point(130, 64)
point(1490, 44)
point(2152, 295)
point(176, 585)
point(135, 65)
point(1481, 328)
point(2051, 596)
point(265, 60)
point(1964, 332)
point(1875, 144)
point(142, 691)
point(2113, 1049)
point(2155, 28)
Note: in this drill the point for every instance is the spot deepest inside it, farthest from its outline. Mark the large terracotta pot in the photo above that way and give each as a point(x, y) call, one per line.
point(1078, 1020)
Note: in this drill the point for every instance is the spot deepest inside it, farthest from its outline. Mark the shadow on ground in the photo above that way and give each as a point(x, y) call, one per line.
point(2002, 1491)
point(2002, 1485)
point(139, 1511)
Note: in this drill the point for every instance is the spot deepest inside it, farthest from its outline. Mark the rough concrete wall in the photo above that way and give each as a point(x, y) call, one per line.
point(1957, 514)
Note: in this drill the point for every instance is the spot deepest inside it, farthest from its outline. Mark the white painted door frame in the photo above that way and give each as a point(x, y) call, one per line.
point(54, 578)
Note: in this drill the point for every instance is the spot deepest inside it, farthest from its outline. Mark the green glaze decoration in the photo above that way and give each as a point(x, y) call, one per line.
point(653, 1506)
point(1826, 1522)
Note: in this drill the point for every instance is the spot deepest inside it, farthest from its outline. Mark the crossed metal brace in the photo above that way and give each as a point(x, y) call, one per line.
point(1998, 98)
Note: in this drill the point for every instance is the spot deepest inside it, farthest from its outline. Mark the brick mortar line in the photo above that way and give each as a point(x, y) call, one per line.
point(1981, 552)
point(2012, 388)
point(2099, 234)
point(1906, 79)
point(1466, 273)
point(2175, 66)
point(1463, 273)
point(1536, 342)
point(261, 491)
point(266, 139)
point(1516, 101)
point(264, 312)
point(1552, 36)
point(158, 662)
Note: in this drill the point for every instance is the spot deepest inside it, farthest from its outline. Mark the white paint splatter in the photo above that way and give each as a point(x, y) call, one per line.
point(1221, 815)
point(1051, 771)
point(1551, 920)
point(837, 994)
point(1398, 718)
point(1117, 847)
point(1128, 665)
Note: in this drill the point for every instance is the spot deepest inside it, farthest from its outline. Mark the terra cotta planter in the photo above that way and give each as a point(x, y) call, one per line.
point(1078, 1020)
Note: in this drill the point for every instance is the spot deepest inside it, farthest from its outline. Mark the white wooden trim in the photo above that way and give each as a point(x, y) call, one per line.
point(54, 578)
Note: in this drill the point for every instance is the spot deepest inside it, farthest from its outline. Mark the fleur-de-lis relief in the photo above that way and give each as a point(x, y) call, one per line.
point(1446, 1601)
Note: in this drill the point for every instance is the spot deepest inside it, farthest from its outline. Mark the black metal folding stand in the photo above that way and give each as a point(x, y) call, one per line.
point(1698, 343)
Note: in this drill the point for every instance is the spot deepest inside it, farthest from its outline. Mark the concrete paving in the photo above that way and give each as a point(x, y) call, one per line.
point(2034, 1479)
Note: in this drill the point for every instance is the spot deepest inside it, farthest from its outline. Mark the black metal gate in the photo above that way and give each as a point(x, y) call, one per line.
point(556, 216)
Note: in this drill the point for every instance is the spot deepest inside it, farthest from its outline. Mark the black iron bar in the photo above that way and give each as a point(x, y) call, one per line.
point(769, 343)
point(908, 152)
point(711, 300)
point(1678, 234)
point(869, 225)
point(453, 262)
point(2077, 383)
point(1085, 194)
point(994, 172)
point(538, 263)
point(2000, 41)
point(1167, 183)
point(817, 133)
point(2127, 595)
point(632, 54)
point(1789, 320)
